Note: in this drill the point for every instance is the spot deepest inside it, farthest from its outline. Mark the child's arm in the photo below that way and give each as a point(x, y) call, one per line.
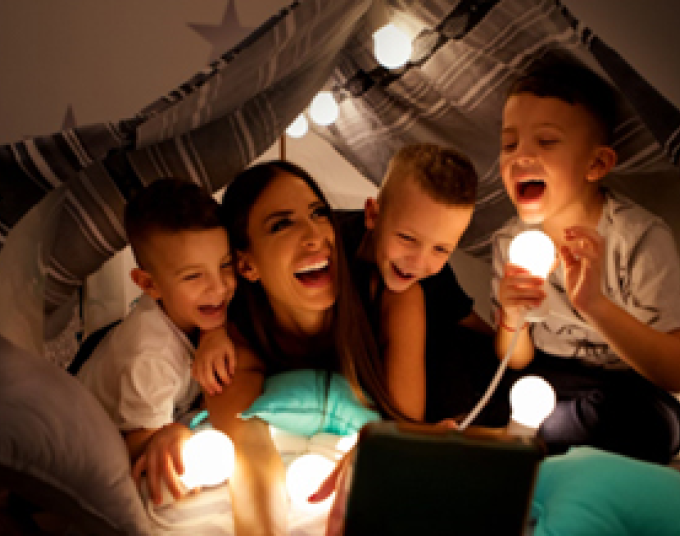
point(402, 344)
point(158, 453)
point(214, 361)
point(518, 291)
point(654, 354)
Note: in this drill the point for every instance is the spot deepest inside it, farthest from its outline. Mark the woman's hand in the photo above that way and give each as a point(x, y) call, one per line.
point(582, 258)
point(162, 460)
point(215, 361)
point(518, 291)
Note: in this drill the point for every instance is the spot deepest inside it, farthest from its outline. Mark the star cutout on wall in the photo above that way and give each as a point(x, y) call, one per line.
point(225, 35)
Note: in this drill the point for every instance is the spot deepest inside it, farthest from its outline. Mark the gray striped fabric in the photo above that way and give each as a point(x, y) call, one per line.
point(230, 112)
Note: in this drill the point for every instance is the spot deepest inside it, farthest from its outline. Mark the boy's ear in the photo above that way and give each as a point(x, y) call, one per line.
point(246, 268)
point(604, 160)
point(371, 211)
point(144, 280)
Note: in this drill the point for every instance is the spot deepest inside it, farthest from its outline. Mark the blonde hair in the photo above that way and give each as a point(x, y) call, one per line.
point(446, 175)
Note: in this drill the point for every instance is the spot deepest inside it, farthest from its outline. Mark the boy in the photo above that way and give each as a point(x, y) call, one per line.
point(611, 344)
point(401, 243)
point(141, 371)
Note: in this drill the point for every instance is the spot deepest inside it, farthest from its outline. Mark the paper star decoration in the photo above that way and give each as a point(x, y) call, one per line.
point(225, 35)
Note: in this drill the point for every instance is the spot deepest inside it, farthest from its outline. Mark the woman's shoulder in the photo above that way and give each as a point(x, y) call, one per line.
point(246, 357)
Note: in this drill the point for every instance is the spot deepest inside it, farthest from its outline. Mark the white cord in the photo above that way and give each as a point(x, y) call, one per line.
point(496, 379)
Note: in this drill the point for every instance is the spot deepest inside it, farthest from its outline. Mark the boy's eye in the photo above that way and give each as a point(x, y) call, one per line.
point(406, 238)
point(508, 146)
point(547, 142)
point(190, 277)
point(442, 250)
point(279, 225)
point(227, 265)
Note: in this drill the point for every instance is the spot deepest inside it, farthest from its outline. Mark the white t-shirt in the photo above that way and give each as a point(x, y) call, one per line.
point(141, 371)
point(641, 274)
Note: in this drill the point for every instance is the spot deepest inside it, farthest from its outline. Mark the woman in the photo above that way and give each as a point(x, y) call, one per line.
point(295, 307)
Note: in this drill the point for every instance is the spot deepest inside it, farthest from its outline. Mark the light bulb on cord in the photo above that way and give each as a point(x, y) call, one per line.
point(532, 400)
point(392, 47)
point(298, 127)
point(535, 252)
point(208, 458)
point(304, 476)
point(323, 109)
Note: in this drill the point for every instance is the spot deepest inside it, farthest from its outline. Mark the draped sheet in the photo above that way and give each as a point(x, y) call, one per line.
point(231, 111)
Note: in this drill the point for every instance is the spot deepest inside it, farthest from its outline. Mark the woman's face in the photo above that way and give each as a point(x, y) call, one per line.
point(292, 248)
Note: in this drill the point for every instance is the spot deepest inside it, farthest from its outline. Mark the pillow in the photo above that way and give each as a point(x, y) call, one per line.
point(296, 402)
point(59, 449)
point(591, 492)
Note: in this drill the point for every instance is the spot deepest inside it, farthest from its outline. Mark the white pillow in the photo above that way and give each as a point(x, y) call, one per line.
point(59, 448)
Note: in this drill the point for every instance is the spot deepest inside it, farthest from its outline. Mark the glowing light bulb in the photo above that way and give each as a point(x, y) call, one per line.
point(323, 110)
point(392, 47)
point(532, 400)
point(298, 127)
point(208, 458)
point(534, 251)
point(304, 476)
point(346, 443)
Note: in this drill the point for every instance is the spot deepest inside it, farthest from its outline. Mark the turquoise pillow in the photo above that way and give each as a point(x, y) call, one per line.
point(588, 492)
point(296, 402)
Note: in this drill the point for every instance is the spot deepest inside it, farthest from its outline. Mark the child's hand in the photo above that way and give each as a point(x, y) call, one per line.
point(518, 291)
point(582, 258)
point(336, 481)
point(215, 361)
point(162, 460)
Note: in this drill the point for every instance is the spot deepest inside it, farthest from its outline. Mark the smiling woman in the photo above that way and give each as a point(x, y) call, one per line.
point(295, 302)
point(295, 308)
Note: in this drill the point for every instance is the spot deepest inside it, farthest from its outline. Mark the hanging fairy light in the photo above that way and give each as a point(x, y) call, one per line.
point(298, 127)
point(323, 110)
point(392, 47)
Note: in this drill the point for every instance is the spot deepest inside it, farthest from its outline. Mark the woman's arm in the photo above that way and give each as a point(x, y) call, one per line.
point(259, 497)
point(402, 343)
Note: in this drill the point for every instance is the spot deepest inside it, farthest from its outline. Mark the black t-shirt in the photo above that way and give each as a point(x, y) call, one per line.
point(446, 303)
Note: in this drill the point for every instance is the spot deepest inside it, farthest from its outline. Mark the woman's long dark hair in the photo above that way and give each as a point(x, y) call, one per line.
point(349, 336)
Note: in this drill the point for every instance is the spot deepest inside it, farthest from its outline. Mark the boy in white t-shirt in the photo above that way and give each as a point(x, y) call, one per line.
point(141, 371)
point(611, 343)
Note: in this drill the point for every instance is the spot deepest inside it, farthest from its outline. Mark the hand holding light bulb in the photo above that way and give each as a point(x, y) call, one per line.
point(534, 252)
point(175, 461)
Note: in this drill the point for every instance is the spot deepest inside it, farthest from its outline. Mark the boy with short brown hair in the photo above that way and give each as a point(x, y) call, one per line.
point(141, 371)
point(611, 343)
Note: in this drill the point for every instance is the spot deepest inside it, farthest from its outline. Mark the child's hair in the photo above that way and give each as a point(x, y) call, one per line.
point(574, 84)
point(168, 205)
point(446, 175)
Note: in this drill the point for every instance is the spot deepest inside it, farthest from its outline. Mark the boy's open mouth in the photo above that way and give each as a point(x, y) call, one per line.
point(530, 190)
point(212, 309)
point(314, 273)
point(402, 275)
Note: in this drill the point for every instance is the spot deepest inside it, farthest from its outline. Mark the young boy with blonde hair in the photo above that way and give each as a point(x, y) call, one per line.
point(401, 244)
point(141, 371)
point(610, 345)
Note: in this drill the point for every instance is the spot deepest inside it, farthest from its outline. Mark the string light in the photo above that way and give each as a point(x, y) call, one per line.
point(532, 400)
point(535, 252)
point(298, 127)
point(304, 476)
point(208, 458)
point(392, 47)
point(323, 110)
